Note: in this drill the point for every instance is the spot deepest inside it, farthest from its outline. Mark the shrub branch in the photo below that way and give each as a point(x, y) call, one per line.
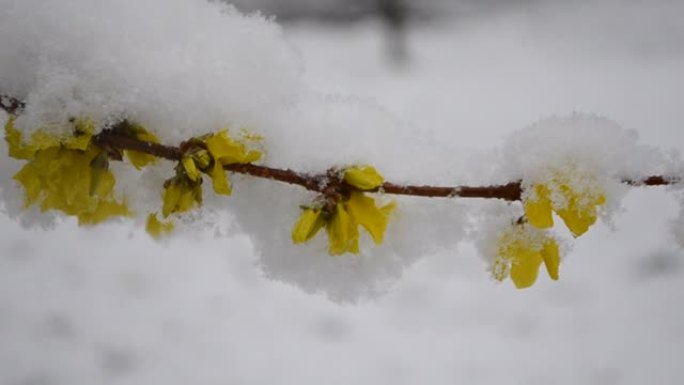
point(108, 138)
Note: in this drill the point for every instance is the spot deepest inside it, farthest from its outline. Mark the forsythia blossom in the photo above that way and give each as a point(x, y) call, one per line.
point(342, 222)
point(207, 154)
point(575, 204)
point(157, 228)
point(70, 174)
point(136, 131)
point(225, 150)
point(521, 249)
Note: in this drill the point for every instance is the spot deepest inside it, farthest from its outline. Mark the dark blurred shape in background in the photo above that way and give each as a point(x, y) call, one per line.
point(344, 11)
point(395, 15)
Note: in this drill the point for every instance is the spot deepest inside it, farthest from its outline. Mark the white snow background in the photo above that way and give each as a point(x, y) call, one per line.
point(109, 306)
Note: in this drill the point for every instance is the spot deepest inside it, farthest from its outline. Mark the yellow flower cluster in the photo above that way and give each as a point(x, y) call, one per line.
point(523, 248)
point(576, 207)
point(207, 154)
point(521, 251)
point(341, 224)
point(70, 174)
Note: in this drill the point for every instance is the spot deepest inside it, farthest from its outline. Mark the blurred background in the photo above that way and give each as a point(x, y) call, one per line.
point(394, 15)
point(110, 306)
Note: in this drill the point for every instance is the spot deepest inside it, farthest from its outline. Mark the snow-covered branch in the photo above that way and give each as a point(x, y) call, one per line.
point(511, 191)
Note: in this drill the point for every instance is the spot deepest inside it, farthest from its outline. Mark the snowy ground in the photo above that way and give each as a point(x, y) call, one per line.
point(109, 306)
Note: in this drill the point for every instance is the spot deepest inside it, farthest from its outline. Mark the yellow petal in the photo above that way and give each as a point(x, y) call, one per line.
point(75, 182)
point(72, 177)
point(84, 126)
point(228, 151)
point(500, 268)
point(342, 232)
point(353, 245)
point(17, 148)
point(82, 135)
point(197, 193)
point(30, 180)
point(79, 142)
point(525, 267)
point(363, 177)
point(308, 225)
point(180, 195)
point(251, 156)
point(104, 210)
point(538, 210)
point(551, 256)
point(202, 159)
point(140, 159)
point(580, 211)
point(219, 180)
point(577, 222)
point(190, 168)
point(101, 181)
point(600, 199)
point(172, 194)
point(365, 213)
point(141, 133)
point(40, 140)
point(577, 218)
point(191, 195)
point(157, 229)
point(521, 251)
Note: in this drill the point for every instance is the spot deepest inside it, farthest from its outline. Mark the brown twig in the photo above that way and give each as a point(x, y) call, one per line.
point(111, 138)
point(511, 191)
point(11, 105)
point(656, 180)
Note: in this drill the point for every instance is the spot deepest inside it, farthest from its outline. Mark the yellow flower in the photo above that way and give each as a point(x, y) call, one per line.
point(308, 225)
point(180, 195)
point(343, 233)
point(82, 133)
point(348, 214)
point(156, 228)
point(577, 208)
point(228, 151)
point(538, 210)
point(224, 150)
point(219, 180)
point(62, 179)
point(190, 168)
point(580, 212)
point(134, 130)
point(521, 251)
point(104, 210)
point(207, 154)
point(66, 173)
point(372, 218)
point(17, 148)
point(363, 177)
point(84, 128)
